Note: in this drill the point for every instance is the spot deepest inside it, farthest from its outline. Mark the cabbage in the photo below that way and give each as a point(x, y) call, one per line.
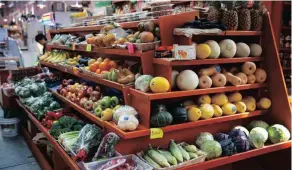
point(258, 136)
point(203, 137)
point(242, 129)
point(257, 123)
point(278, 133)
point(212, 148)
point(143, 83)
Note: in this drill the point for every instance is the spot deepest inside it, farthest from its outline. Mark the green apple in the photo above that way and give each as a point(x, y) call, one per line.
point(114, 101)
point(114, 76)
point(95, 105)
point(98, 111)
point(105, 102)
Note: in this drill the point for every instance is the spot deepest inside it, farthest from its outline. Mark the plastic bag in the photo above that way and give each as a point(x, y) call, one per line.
point(128, 123)
point(143, 83)
point(118, 32)
point(124, 110)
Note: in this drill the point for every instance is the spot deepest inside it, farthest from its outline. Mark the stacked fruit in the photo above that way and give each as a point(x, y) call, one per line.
point(54, 56)
point(227, 49)
point(105, 38)
point(212, 76)
point(240, 18)
point(220, 104)
point(81, 94)
point(100, 65)
point(105, 107)
point(147, 33)
point(176, 154)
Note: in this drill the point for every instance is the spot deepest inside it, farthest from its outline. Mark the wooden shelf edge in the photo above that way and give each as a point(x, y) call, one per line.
point(86, 76)
point(177, 127)
point(240, 156)
point(52, 140)
point(165, 61)
point(285, 49)
point(176, 94)
point(81, 110)
point(35, 150)
point(233, 33)
point(110, 51)
point(286, 68)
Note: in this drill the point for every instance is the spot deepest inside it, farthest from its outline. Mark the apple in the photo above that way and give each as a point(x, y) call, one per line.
point(81, 94)
point(63, 92)
point(95, 95)
point(70, 81)
point(105, 102)
point(98, 111)
point(89, 90)
point(114, 101)
point(65, 82)
point(88, 104)
point(59, 89)
point(95, 105)
point(77, 100)
point(82, 101)
point(73, 97)
point(84, 87)
point(68, 95)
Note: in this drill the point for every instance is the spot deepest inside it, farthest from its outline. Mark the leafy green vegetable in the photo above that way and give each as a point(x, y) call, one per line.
point(54, 106)
point(65, 124)
point(67, 121)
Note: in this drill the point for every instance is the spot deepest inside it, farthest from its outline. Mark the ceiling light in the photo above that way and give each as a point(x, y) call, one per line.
point(5, 20)
point(76, 5)
point(41, 5)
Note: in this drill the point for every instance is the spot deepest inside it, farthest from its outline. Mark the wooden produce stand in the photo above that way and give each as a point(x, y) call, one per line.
point(135, 141)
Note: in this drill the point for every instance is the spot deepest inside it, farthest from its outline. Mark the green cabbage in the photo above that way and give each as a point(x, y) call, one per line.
point(212, 148)
point(203, 137)
point(278, 133)
point(257, 123)
point(258, 136)
point(242, 129)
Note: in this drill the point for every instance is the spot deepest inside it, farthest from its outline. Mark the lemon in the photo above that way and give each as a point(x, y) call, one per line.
point(203, 51)
point(194, 114)
point(217, 110)
point(159, 85)
point(229, 109)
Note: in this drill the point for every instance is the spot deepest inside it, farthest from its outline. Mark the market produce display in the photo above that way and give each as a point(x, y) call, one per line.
point(55, 56)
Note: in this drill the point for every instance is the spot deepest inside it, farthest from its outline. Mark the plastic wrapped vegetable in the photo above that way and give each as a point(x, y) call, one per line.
point(106, 148)
point(143, 83)
point(88, 138)
point(128, 122)
point(124, 110)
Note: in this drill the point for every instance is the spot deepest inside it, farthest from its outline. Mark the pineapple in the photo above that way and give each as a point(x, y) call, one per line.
point(215, 12)
point(244, 21)
point(230, 18)
point(256, 17)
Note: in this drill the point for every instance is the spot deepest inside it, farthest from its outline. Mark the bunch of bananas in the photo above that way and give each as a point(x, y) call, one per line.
point(55, 56)
point(72, 61)
point(79, 14)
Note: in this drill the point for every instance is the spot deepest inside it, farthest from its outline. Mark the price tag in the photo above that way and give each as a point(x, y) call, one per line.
point(156, 133)
point(75, 71)
point(131, 48)
point(88, 47)
point(73, 46)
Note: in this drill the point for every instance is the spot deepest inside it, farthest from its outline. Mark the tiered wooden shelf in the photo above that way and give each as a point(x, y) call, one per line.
point(285, 49)
point(52, 140)
point(235, 33)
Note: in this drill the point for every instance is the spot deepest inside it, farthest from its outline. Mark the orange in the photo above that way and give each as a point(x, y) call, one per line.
point(113, 64)
point(103, 66)
point(107, 60)
point(93, 67)
point(98, 71)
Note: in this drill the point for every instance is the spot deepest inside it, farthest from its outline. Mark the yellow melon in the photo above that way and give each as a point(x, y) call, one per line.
point(159, 85)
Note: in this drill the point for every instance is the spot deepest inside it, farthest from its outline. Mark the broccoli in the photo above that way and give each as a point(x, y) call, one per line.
point(77, 127)
point(54, 106)
point(67, 121)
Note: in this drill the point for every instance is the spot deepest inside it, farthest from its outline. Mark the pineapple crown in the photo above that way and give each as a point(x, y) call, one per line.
point(256, 4)
point(216, 4)
point(229, 4)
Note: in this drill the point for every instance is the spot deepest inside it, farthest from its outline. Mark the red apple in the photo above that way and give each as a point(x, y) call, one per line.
point(82, 101)
point(84, 87)
point(63, 92)
point(70, 81)
point(95, 95)
point(89, 90)
point(77, 100)
point(65, 82)
point(68, 95)
point(73, 97)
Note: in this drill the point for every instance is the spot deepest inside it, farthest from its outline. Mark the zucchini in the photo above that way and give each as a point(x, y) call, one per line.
point(151, 162)
point(184, 153)
point(157, 157)
point(190, 148)
point(175, 151)
point(193, 155)
point(170, 159)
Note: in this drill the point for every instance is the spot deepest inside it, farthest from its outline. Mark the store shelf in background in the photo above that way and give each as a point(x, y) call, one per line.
point(78, 108)
point(96, 28)
point(177, 127)
point(285, 49)
point(240, 156)
point(286, 68)
point(51, 139)
point(95, 79)
point(111, 51)
point(235, 33)
point(166, 61)
point(176, 94)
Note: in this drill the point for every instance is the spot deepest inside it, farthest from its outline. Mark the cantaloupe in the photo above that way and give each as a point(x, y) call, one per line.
point(146, 37)
point(215, 48)
point(187, 80)
point(227, 48)
point(255, 50)
point(242, 50)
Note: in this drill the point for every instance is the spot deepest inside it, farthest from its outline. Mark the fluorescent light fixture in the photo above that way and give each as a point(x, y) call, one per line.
point(41, 5)
point(76, 5)
point(5, 20)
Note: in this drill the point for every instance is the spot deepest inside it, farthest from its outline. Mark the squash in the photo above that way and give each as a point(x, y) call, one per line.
point(161, 117)
point(234, 80)
point(179, 114)
point(210, 70)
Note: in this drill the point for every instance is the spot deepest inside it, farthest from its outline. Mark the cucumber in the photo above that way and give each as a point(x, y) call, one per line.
point(170, 159)
point(184, 153)
point(157, 157)
point(151, 162)
point(175, 151)
point(193, 155)
point(190, 148)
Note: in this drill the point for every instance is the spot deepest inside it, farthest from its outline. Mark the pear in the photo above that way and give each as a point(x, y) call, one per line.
point(264, 103)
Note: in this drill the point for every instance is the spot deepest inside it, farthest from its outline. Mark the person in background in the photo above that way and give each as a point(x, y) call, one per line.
point(42, 40)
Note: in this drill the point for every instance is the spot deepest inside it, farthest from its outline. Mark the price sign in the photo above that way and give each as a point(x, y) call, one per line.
point(75, 71)
point(156, 133)
point(88, 47)
point(131, 48)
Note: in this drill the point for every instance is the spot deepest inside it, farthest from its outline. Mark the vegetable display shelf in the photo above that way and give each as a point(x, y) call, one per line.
point(81, 110)
point(51, 139)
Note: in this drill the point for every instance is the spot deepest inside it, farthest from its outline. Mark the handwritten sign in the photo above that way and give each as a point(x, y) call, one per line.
point(156, 133)
point(88, 47)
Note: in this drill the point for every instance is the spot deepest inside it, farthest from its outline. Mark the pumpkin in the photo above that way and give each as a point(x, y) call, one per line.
point(160, 117)
point(179, 114)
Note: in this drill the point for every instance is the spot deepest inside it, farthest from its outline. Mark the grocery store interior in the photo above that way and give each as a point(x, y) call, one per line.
point(145, 85)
